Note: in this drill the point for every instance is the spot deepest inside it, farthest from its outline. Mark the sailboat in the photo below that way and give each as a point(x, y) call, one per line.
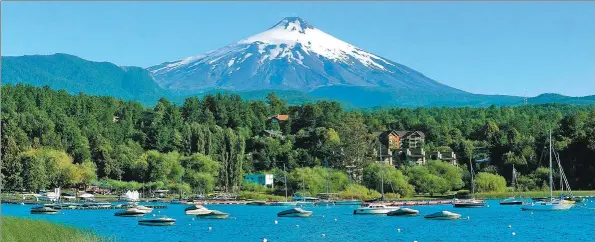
point(512, 200)
point(286, 202)
point(374, 208)
point(302, 200)
point(470, 203)
point(551, 204)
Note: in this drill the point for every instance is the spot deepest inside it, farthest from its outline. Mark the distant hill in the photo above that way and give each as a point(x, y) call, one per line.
point(63, 71)
point(74, 74)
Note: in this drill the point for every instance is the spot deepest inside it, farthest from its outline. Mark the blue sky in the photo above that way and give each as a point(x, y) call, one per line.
point(481, 47)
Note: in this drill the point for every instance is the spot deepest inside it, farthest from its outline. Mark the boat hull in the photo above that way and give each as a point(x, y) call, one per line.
point(546, 207)
point(444, 215)
point(44, 212)
point(367, 211)
point(157, 222)
point(129, 214)
point(403, 212)
point(296, 215)
point(511, 202)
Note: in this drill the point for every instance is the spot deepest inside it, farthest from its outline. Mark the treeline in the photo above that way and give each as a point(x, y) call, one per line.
point(209, 143)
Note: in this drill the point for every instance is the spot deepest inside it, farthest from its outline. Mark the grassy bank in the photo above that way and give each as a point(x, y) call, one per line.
point(30, 230)
point(495, 195)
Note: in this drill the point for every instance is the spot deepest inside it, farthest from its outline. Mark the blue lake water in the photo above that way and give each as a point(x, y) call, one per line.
point(254, 223)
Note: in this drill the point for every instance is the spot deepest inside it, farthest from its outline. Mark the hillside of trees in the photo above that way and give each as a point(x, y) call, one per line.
point(51, 138)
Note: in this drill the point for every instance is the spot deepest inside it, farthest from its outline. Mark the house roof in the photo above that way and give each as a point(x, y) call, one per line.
point(273, 132)
point(280, 117)
point(404, 134)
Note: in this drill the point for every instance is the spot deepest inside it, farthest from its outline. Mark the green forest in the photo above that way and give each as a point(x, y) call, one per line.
point(55, 139)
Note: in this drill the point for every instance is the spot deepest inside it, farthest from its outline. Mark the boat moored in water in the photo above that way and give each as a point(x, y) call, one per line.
point(213, 214)
point(511, 201)
point(295, 212)
point(196, 210)
point(403, 212)
point(469, 203)
point(256, 203)
point(374, 209)
point(131, 212)
point(164, 221)
point(443, 215)
point(552, 205)
point(43, 210)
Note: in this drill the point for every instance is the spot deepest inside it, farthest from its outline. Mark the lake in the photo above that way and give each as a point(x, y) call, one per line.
point(254, 223)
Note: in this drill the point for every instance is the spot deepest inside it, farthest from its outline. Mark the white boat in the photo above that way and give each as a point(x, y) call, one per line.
point(196, 210)
point(550, 204)
point(469, 203)
point(374, 209)
point(403, 212)
point(164, 221)
point(213, 214)
point(553, 205)
point(295, 212)
point(43, 210)
point(103, 205)
point(443, 215)
point(131, 212)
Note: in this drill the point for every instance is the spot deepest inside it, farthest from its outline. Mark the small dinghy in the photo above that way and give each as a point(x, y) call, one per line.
point(43, 210)
point(164, 221)
point(131, 212)
point(403, 212)
point(295, 212)
point(443, 215)
point(213, 214)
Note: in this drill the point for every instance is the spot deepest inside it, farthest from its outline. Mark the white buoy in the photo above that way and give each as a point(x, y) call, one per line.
point(192, 219)
point(323, 235)
point(513, 233)
point(189, 224)
point(297, 225)
point(210, 228)
point(153, 215)
point(509, 226)
point(335, 220)
point(468, 217)
point(399, 230)
point(488, 206)
point(276, 222)
point(264, 240)
point(323, 216)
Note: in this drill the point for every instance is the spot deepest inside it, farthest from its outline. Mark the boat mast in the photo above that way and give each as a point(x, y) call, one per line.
point(513, 181)
point(551, 177)
point(328, 184)
point(472, 184)
point(382, 184)
point(285, 176)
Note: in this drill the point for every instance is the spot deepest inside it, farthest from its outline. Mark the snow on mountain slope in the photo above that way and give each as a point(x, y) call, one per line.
point(292, 55)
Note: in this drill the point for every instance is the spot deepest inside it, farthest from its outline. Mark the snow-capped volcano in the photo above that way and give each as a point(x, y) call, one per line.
point(291, 55)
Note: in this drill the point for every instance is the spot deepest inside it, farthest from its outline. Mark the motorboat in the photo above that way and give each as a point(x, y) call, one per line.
point(295, 212)
point(256, 203)
point(469, 203)
point(213, 214)
point(374, 209)
point(164, 221)
point(511, 201)
point(103, 205)
point(43, 210)
point(196, 210)
point(403, 212)
point(131, 212)
point(443, 215)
